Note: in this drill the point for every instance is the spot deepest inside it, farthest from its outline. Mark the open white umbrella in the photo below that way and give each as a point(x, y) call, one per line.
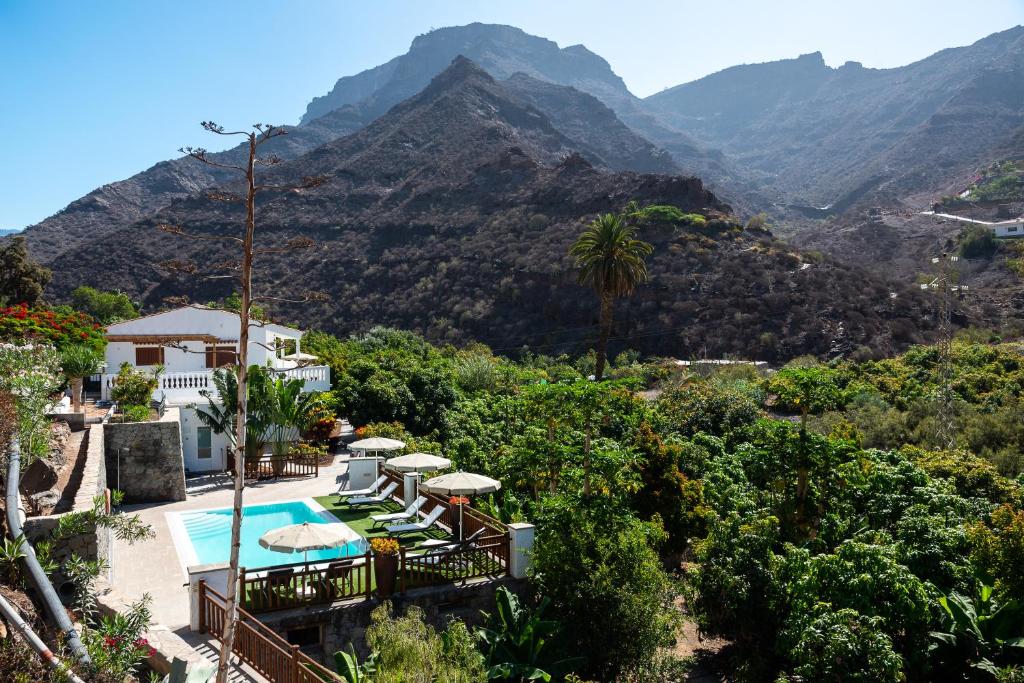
point(301, 538)
point(375, 444)
point(418, 462)
point(461, 484)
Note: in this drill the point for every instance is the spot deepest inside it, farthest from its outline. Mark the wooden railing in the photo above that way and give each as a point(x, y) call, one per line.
point(269, 654)
point(296, 585)
point(279, 466)
point(487, 557)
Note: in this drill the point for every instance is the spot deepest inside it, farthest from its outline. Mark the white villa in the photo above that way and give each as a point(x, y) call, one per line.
point(190, 343)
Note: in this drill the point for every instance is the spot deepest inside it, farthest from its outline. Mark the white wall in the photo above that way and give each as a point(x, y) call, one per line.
point(190, 447)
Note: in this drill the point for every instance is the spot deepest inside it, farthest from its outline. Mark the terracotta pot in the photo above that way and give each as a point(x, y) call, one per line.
point(385, 571)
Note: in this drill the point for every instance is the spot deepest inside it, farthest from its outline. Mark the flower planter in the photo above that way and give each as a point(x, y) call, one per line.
point(385, 572)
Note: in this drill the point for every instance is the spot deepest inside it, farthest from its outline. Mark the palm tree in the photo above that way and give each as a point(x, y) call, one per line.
point(611, 261)
point(289, 409)
point(222, 412)
point(79, 362)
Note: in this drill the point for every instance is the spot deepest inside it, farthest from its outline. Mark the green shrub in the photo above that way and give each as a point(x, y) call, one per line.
point(842, 645)
point(131, 413)
point(132, 387)
point(977, 241)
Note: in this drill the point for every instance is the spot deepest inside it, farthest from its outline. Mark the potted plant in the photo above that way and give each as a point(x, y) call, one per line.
point(456, 518)
point(385, 564)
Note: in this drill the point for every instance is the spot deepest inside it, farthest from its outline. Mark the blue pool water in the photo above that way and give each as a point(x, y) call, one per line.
point(210, 533)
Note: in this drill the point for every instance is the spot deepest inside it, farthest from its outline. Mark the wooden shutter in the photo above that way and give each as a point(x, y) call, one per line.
point(219, 356)
point(149, 355)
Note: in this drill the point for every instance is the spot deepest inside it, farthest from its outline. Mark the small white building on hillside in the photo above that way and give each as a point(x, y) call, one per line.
point(189, 343)
point(1009, 229)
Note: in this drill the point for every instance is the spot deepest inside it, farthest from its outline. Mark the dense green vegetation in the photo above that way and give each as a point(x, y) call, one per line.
point(806, 516)
point(105, 307)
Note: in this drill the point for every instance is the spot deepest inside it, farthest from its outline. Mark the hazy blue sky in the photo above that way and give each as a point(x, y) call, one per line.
point(95, 91)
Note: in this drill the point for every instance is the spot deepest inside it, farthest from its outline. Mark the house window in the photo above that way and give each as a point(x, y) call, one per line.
point(204, 441)
point(149, 355)
point(219, 356)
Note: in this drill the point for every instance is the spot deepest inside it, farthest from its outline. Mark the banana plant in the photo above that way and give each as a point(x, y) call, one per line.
point(347, 664)
point(514, 638)
point(979, 635)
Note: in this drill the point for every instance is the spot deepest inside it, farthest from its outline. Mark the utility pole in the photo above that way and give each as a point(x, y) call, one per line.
point(945, 283)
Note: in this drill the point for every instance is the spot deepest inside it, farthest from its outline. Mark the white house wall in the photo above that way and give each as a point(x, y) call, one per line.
point(220, 446)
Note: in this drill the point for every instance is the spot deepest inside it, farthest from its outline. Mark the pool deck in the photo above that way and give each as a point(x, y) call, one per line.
point(153, 566)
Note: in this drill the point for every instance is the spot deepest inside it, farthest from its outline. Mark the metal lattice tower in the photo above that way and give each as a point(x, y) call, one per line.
point(945, 284)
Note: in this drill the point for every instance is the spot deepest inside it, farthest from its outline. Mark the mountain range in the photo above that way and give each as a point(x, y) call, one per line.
point(460, 171)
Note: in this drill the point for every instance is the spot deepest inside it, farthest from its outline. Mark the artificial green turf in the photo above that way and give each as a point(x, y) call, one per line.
point(358, 518)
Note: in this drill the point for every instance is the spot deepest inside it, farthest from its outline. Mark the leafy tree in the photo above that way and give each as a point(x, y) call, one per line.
point(612, 262)
point(105, 307)
point(77, 363)
point(805, 390)
point(22, 280)
point(666, 492)
point(598, 566)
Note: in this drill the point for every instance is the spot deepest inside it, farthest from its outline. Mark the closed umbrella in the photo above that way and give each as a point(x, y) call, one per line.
point(301, 538)
point(461, 484)
point(375, 444)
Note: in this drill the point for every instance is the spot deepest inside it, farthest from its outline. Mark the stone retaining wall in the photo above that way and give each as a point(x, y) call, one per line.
point(92, 543)
point(344, 623)
point(153, 466)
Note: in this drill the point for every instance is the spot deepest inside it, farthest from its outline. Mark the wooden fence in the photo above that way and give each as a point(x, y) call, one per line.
point(487, 557)
point(295, 585)
point(269, 654)
point(280, 466)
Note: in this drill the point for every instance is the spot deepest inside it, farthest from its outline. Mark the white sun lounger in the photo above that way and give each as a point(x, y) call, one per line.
point(434, 543)
point(347, 493)
point(374, 500)
point(428, 522)
point(410, 512)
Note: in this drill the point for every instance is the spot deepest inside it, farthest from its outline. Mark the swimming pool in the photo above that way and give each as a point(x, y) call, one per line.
point(204, 536)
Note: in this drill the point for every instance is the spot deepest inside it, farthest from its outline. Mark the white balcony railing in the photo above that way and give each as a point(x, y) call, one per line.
point(180, 385)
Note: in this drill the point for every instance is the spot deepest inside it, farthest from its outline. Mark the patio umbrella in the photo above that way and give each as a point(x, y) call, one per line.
point(461, 484)
point(304, 537)
point(300, 357)
point(418, 462)
point(375, 444)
